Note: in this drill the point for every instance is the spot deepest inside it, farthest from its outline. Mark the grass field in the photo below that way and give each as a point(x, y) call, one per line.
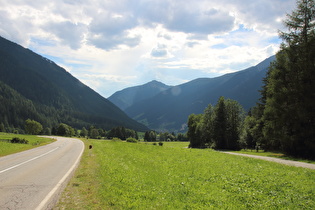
point(120, 175)
point(7, 148)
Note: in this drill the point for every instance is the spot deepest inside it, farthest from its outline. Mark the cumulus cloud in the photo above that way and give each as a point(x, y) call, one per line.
point(15, 28)
point(165, 38)
point(262, 15)
point(159, 51)
point(192, 44)
point(69, 33)
point(200, 22)
point(107, 31)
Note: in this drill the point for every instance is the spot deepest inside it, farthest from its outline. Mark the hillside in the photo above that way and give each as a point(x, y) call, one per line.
point(170, 109)
point(129, 96)
point(54, 92)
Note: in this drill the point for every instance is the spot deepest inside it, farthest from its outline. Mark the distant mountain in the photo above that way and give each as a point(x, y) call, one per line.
point(50, 93)
point(129, 96)
point(169, 110)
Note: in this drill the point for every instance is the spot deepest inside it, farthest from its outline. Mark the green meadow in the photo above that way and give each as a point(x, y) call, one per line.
point(7, 148)
point(121, 175)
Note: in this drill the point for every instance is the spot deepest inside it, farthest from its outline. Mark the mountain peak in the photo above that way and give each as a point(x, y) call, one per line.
point(127, 97)
point(172, 110)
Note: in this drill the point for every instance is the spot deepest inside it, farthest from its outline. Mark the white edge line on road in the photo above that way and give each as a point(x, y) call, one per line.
point(29, 160)
point(53, 191)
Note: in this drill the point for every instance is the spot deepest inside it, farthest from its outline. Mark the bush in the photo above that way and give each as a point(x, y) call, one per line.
point(116, 139)
point(132, 140)
point(17, 140)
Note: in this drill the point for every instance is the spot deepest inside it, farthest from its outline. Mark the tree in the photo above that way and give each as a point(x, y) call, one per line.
point(182, 137)
point(219, 125)
point(2, 129)
point(47, 131)
point(194, 133)
point(65, 130)
point(146, 136)
point(84, 132)
point(208, 125)
point(33, 127)
point(94, 133)
point(289, 113)
point(248, 140)
point(150, 136)
point(234, 121)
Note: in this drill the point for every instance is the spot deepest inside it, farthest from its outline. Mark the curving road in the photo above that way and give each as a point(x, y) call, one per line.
point(33, 179)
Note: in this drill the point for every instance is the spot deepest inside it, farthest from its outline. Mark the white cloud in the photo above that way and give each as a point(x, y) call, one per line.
point(129, 42)
point(69, 33)
point(211, 21)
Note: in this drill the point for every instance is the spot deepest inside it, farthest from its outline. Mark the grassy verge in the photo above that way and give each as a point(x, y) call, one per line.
point(120, 175)
point(7, 148)
point(272, 154)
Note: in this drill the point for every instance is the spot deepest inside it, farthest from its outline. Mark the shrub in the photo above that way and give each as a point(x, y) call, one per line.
point(132, 140)
point(17, 140)
point(116, 139)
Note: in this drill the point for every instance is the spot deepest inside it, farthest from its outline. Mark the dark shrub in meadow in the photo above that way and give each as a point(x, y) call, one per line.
point(132, 140)
point(17, 140)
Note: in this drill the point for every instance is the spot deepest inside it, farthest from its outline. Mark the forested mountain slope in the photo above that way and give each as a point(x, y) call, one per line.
point(55, 93)
point(170, 109)
point(129, 96)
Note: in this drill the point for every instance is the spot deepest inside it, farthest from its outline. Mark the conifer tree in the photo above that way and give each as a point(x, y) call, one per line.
point(219, 125)
point(289, 113)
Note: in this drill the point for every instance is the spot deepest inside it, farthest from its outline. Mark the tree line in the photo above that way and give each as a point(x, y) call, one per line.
point(284, 118)
point(33, 127)
point(218, 127)
point(152, 136)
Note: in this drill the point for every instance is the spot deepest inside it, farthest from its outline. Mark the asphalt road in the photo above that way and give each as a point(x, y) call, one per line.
point(33, 179)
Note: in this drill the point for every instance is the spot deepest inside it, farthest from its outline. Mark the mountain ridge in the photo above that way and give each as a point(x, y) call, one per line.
point(50, 87)
point(169, 109)
point(128, 96)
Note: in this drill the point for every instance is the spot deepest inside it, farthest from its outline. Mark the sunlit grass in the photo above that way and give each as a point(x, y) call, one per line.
point(120, 175)
point(7, 148)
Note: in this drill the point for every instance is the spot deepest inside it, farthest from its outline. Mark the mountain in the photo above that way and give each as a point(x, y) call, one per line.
point(51, 93)
point(169, 110)
point(129, 96)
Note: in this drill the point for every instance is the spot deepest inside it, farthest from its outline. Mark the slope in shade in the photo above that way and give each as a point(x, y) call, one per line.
point(129, 96)
point(169, 110)
point(50, 87)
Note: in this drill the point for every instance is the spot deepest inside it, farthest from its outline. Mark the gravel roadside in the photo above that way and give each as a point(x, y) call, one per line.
point(278, 160)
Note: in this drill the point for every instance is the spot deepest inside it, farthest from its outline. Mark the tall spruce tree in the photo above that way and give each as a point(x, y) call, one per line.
point(289, 112)
point(219, 125)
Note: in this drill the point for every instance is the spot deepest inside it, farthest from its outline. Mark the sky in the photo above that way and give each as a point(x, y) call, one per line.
point(110, 45)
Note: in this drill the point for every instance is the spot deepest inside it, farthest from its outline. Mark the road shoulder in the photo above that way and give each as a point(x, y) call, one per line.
point(277, 160)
